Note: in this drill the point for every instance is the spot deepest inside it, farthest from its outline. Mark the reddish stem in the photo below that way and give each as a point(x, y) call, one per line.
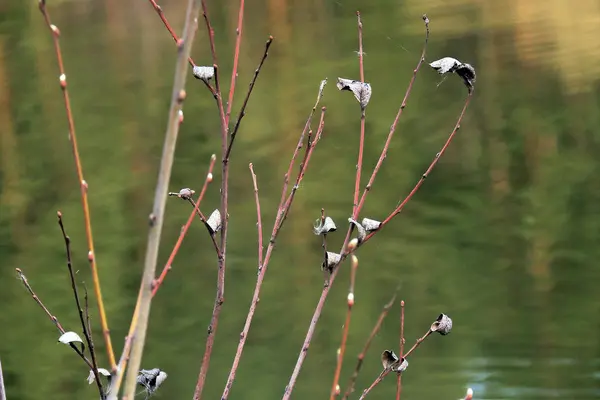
point(335, 387)
point(220, 294)
point(395, 123)
point(262, 270)
point(50, 315)
point(158, 282)
point(164, 20)
point(375, 383)
point(243, 109)
point(343, 252)
point(437, 157)
point(361, 144)
point(399, 380)
point(55, 32)
point(417, 343)
point(361, 356)
point(236, 56)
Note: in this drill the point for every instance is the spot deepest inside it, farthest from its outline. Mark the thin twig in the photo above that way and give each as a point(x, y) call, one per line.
point(399, 379)
point(243, 109)
point(343, 252)
point(236, 56)
point(375, 382)
point(335, 387)
point(82, 319)
point(164, 20)
point(417, 343)
point(157, 216)
point(2, 388)
point(220, 294)
point(437, 157)
point(258, 218)
point(158, 282)
point(262, 269)
point(361, 356)
point(82, 184)
point(361, 144)
point(395, 123)
point(51, 316)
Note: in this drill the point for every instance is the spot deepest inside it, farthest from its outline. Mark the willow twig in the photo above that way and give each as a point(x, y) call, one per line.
point(361, 356)
point(361, 144)
point(399, 379)
point(51, 316)
point(82, 185)
point(335, 387)
point(157, 216)
point(236, 56)
point(84, 325)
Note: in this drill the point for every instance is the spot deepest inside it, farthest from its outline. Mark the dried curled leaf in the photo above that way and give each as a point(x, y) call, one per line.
point(331, 260)
point(452, 65)
point(442, 325)
point(389, 359)
point(360, 230)
point(361, 90)
point(70, 337)
point(101, 371)
point(324, 227)
point(370, 225)
point(204, 73)
point(151, 379)
point(214, 222)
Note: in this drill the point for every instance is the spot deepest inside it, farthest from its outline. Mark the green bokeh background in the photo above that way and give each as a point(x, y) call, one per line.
point(503, 236)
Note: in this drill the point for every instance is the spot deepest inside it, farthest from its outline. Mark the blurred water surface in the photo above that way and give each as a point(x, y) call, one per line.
point(503, 236)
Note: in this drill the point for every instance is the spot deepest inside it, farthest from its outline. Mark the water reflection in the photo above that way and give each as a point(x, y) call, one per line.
point(502, 237)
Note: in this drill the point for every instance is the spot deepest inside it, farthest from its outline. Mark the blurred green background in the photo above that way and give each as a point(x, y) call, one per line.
point(503, 236)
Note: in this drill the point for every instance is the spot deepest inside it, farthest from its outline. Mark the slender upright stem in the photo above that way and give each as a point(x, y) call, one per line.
point(437, 157)
point(262, 268)
point(361, 144)
point(250, 87)
point(220, 293)
point(343, 252)
point(82, 185)
point(361, 356)
point(164, 175)
point(395, 123)
point(399, 379)
point(335, 387)
point(236, 56)
point(84, 325)
point(51, 316)
point(258, 217)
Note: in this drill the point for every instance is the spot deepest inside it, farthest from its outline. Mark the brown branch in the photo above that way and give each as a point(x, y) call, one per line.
point(51, 316)
point(399, 379)
point(417, 343)
point(361, 356)
point(258, 218)
point(164, 20)
point(236, 56)
point(343, 252)
point(220, 294)
point(262, 269)
point(82, 319)
point(375, 382)
point(335, 387)
point(395, 123)
point(157, 216)
point(168, 265)
point(243, 109)
point(55, 32)
point(437, 157)
point(361, 144)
